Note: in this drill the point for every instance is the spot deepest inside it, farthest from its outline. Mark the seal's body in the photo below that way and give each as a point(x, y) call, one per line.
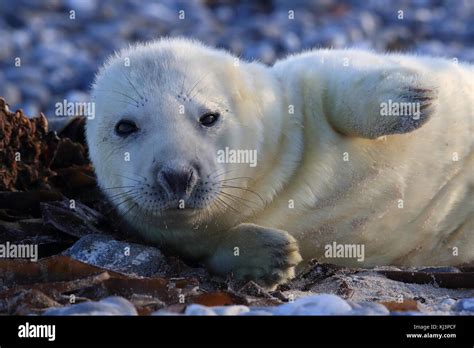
point(353, 151)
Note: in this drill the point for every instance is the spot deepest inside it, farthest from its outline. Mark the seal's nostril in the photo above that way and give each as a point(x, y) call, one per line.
point(179, 181)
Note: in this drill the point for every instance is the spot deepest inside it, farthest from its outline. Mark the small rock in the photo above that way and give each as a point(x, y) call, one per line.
point(465, 305)
point(11, 93)
point(109, 306)
point(164, 312)
point(21, 39)
point(231, 310)
point(446, 305)
point(85, 8)
point(291, 42)
point(324, 304)
point(224, 13)
point(408, 313)
point(259, 312)
point(368, 308)
point(197, 309)
point(146, 303)
point(368, 22)
point(159, 12)
point(105, 252)
point(7, 48)
point(76, 96)
point(253, 289)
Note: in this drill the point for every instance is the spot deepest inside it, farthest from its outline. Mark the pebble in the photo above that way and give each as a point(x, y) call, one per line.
point(465, 305)
point(84, 8)
point(231, 310)
point(123, 257)
point(77, 96)
point(11, 94)
point(291, 42)
point(369, 308)
point(259, 312)
point(21, 39)
point(197, 309)
point(446, 305)
point(323, 304)
point(113, 305)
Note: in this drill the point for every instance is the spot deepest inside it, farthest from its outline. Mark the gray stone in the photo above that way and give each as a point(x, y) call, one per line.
point(83, 8)
point(322, 304)
point(231, 310)
point(129, 258)
point(21, 39)
point(465, 305)
point(197, 309)
point(76, 96)
point(12, 94)
point(259, 312)
point(368, 308)
point(291, 42)
point(446, 305)
point(108, 306)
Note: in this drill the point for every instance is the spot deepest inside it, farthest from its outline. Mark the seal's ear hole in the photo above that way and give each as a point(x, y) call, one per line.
point(125, 127)
point(209, 119)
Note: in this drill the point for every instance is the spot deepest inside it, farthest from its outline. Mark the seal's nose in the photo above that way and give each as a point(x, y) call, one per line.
point(179, 182)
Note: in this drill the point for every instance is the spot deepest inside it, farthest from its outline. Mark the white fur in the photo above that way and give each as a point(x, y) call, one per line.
point(335, 95)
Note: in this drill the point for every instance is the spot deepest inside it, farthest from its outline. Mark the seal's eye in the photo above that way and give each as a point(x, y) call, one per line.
point(209, 119)
point(125, 127)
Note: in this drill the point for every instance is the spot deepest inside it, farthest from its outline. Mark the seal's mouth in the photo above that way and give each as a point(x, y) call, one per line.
point(178, 197)
point(141, 205)
point(180, 212)
point(181, 206)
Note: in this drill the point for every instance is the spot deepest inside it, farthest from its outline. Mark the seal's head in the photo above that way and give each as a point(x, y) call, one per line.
point(164, 111)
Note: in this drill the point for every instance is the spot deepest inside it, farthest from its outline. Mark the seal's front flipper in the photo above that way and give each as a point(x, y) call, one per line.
point(251, 252)
point(380, 102)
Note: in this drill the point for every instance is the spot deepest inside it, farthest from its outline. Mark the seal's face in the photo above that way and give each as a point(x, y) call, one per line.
point(161, 120)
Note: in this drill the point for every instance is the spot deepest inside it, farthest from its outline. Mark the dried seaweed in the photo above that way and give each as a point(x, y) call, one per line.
point(445, 280)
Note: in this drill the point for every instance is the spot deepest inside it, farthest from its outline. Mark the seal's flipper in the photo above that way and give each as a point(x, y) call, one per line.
point(382, 103)
point(267, 255)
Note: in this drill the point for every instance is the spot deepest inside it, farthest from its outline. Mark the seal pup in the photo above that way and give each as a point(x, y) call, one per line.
point(346, 156)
